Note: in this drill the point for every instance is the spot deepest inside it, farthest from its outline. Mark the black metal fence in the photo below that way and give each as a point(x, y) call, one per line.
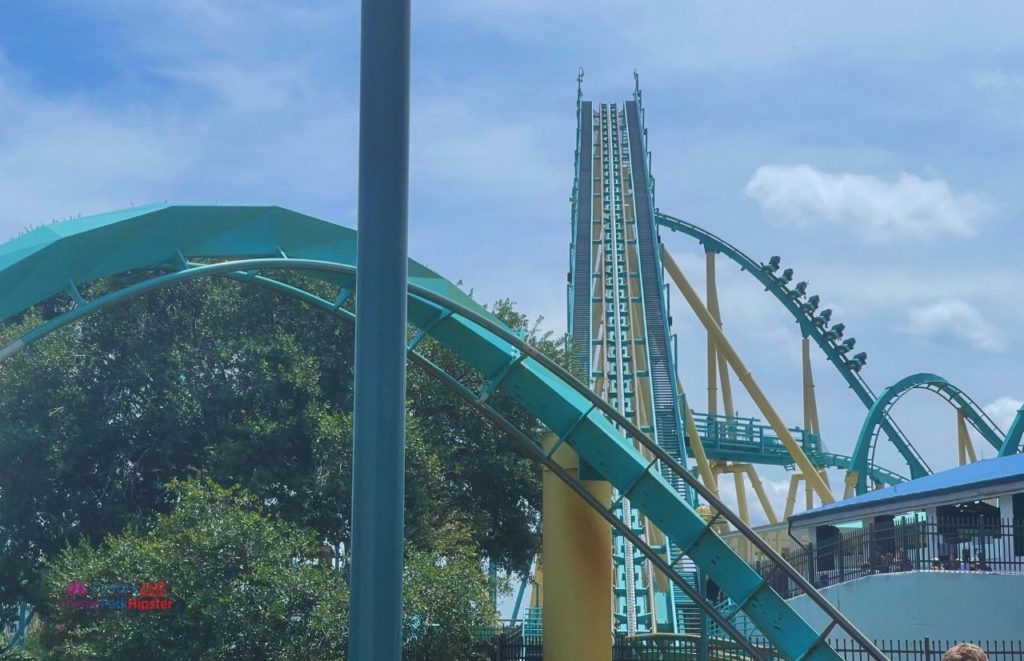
point(511, 646)
point(952, 544)
point(931, 650)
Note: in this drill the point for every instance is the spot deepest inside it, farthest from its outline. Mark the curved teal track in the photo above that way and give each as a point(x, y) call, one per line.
point(57, 259)
point(1011, 444)
point(915, 463)
point(863, 453)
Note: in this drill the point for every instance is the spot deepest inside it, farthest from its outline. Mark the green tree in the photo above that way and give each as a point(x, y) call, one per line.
point(248, 584)
point(244, 585)
point(246, 386)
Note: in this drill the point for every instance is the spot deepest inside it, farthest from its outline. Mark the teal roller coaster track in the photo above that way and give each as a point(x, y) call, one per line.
point(253, 243)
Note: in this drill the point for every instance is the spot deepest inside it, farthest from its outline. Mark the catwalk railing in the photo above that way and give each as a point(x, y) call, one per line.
point(964, 544)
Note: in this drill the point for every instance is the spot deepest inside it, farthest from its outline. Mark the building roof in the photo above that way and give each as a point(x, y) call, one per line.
point(977, 481)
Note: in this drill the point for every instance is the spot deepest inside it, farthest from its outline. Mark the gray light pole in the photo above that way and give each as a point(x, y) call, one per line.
point(378, 464)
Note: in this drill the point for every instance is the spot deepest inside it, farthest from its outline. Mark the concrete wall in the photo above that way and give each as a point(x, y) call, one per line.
point(945, 605)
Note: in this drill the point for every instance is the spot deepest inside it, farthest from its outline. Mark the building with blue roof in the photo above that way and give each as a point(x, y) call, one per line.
point(1000, 478)
point(912, 559)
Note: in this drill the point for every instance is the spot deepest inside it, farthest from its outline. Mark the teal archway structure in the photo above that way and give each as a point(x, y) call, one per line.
point(712, 243)
point(168, 244)
point(863, 453)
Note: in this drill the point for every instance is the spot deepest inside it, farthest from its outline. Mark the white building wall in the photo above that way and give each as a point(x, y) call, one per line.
point(943, 605)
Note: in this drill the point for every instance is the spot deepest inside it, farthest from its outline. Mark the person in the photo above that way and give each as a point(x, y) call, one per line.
point(965, 652)
point(936, 564)
point(877, 560)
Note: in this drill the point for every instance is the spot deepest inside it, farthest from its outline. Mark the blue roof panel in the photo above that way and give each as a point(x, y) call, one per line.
point(973, 475)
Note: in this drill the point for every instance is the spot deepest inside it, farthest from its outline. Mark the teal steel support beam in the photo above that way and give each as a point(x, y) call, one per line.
point(1011, 445)
point(378, 455)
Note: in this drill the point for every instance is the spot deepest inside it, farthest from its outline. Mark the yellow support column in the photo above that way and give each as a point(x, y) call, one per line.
point(851, 484)
point(723, 365)
point(810, 403)
point(712, 350)
point(577, 559)
point(697, 445)
point(964, 444)
point(742, 509)
point(755, 482)
point(794, 486)
point(747, 379)
point(741, 495)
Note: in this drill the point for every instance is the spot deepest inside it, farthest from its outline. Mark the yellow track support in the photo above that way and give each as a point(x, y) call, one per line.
point(755, 482)
point(964, 446)
point(747, 379)
point(738, 471)
point(697, 445)
point(577, 559)
point(714, 353)
point(810, 403)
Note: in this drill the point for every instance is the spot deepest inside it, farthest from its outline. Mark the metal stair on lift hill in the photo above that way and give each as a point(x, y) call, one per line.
point(582, 250)
point(666, 413)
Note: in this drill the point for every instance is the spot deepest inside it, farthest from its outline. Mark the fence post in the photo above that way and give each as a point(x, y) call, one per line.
point(927, 648)
point(812, 574)
point(703, 652)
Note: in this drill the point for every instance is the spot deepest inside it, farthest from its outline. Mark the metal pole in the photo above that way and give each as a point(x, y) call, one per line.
point(378, 462)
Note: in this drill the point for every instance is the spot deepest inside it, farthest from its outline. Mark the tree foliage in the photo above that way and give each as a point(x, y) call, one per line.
point(250, 585)
point(244, 585)
point(245, 386)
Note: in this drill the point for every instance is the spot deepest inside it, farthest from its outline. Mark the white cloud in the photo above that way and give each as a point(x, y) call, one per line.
point(1003, 93)
point(67, 157)
point(998, 81)
point(954, 319)
point(1003, 410)
point(746, 35)
point(872, 209)
point(487, 153)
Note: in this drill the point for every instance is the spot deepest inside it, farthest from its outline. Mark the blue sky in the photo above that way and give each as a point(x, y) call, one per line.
point(874, 145)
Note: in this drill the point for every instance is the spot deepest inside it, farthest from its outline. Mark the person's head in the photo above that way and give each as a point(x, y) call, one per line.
point(965, 652)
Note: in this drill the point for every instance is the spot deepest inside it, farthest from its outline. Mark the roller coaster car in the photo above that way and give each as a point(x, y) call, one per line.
point(836, 332)
point(786, 276)
point(799, 291)
point(772, 266)
point(858, 361)
point(811, 305)
point(823, 318)
point(847, 345)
